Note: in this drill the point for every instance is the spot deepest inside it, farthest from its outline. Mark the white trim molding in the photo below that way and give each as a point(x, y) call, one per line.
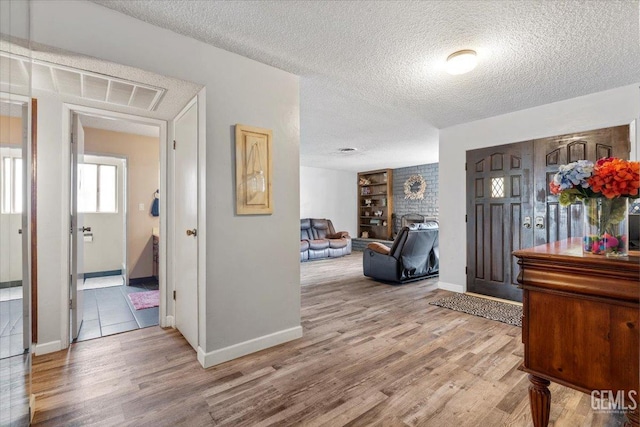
point(47, 347)
point(169, 322)
point(451, 287)
point(216, 357)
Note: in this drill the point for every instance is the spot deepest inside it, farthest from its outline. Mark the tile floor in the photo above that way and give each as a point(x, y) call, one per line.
point(11, 327)
point(109, 311)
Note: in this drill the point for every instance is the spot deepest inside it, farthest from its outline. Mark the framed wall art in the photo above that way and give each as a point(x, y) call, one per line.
point(254, 171)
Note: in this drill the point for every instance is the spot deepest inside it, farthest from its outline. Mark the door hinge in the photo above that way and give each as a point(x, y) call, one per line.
point(466, 270)
point(465, 166)
point(71, 224)
point(174, 295)
point(174, 144)
point(73, 140)
point(70, 304)
point(466, 218)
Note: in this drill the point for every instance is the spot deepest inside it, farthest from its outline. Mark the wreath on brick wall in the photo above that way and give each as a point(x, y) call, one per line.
point(414, 187)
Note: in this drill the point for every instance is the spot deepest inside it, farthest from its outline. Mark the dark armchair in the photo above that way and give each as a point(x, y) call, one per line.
point(413, 256)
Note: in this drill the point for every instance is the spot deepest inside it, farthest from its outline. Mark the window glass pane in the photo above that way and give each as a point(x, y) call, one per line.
point(17, 186)
point(6, 185)
point(107, 193)
point(87, 187)
point(497, 187)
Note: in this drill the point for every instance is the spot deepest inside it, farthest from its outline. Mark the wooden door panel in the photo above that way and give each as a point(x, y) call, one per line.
point(506, 184)
point(496, 242)
point(498, 182)
point(565, 222)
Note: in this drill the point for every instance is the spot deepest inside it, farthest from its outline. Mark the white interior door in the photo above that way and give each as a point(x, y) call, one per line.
point(77, 228)
point(186, 223)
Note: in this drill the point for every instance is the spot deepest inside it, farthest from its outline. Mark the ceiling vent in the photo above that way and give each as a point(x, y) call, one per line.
point(79, 83)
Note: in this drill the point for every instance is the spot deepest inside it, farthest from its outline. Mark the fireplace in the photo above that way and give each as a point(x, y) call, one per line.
point(410, 218)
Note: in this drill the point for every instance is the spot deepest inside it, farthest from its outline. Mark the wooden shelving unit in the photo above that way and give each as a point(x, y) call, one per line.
point(375, 204)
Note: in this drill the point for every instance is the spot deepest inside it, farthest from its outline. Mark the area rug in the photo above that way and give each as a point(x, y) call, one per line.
point(142, 300)
point(490, 309)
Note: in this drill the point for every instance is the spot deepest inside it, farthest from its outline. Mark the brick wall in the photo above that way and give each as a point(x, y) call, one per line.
point(427, 206)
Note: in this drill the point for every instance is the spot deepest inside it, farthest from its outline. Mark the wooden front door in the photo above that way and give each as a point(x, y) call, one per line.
point(509, 205)
point(554, 222)
point(499, 214)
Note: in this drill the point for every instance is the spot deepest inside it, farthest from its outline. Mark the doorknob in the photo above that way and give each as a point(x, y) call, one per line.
point(527, 222)
point(19, 230)
point(85, 229)
point(193, 232)
point(539, 222)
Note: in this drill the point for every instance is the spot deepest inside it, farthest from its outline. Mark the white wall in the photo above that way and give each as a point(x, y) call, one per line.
point(253, 285)
point(331, 194)
point(609, 108)
point(105, 252)
point(52, 261)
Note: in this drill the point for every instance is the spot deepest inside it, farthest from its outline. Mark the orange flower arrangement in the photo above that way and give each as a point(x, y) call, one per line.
point(615, 178)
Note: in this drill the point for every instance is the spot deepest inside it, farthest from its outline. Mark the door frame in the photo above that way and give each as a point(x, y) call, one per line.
point(28, 218)
point(67, 110)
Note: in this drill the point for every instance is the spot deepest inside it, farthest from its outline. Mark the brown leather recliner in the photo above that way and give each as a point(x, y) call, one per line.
point(318, 239)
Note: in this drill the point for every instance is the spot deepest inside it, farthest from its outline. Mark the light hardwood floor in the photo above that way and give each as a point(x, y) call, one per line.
point(372, 355)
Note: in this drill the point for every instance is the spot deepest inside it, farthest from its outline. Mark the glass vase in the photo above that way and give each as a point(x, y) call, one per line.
point(606, 226)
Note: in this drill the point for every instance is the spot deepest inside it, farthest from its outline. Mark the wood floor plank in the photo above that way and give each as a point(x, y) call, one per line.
point(372, 354)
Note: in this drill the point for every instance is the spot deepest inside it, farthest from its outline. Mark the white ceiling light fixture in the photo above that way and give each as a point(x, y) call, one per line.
point(461, 62)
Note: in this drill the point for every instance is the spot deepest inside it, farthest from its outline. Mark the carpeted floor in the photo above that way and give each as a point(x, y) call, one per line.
point(489, 309)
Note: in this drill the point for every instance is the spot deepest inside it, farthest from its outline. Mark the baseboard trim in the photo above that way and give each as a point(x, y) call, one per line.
point(48, 347)
point(10, 284)
point(216, 357)
point(451, 287)
point(103, 273)
point(169, 322)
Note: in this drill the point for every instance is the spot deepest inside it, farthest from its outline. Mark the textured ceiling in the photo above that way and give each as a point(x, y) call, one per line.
point(372, 71)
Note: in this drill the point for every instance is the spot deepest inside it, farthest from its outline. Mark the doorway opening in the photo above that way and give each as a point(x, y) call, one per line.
point(115, 194)
point(14, 280)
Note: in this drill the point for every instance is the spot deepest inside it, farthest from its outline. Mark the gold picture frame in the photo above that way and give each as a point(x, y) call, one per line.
point(254, 171)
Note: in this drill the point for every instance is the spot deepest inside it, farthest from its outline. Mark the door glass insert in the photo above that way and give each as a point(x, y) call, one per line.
point(497, 187)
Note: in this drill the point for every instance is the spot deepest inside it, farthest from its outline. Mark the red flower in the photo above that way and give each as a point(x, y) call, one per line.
point(614, 178)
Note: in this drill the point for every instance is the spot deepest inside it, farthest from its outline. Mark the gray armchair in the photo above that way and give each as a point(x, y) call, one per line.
point(413, 256)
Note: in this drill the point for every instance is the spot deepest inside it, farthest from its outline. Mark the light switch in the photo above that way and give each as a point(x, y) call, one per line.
point(141, 206)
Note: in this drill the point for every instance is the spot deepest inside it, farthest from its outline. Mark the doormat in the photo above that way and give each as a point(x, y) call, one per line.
point(489, 309)
point(142, 300)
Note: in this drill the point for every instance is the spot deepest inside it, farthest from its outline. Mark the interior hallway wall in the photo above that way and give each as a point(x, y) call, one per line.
point(251, 299)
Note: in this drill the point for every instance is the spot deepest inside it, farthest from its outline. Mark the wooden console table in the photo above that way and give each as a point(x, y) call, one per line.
point(580, 323)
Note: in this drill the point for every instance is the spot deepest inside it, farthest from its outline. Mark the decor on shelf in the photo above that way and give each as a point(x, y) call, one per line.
point(414, 187)
point(375, 201)
point(254, 193)
point(365, 234)
point(604, 188)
